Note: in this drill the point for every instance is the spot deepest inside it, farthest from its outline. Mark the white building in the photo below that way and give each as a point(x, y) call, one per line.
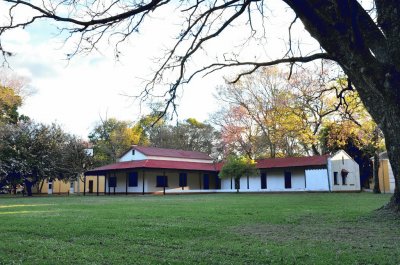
point(153, 170)
point(144, 170)
point(338, 172)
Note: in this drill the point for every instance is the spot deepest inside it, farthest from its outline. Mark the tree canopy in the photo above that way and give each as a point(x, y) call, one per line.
point(237, 167)
point(31, 152)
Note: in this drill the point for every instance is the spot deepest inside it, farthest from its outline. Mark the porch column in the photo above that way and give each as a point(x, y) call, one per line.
point(143, 182)
point(84, 185)
point(105, 183)
point(109, 188)
point(97, 189)
point(165, 178)
point(199, 180)
point(116, 181)
point(126, 183)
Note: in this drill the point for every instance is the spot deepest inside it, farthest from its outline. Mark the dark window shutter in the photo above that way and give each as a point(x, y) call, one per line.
point(162, 181)
point(288, 180)
point(263, 180)
point(112, 182)
point(182, 179)
point(133, 179)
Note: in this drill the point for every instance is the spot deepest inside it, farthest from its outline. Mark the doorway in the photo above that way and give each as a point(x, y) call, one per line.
point(90, 186)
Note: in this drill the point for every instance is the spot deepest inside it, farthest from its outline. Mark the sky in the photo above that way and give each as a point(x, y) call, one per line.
point(78, 92)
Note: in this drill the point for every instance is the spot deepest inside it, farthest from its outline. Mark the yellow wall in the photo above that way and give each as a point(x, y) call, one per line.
point(384, 176)
point(60, 186)
point(88, 179)
point(383, 173)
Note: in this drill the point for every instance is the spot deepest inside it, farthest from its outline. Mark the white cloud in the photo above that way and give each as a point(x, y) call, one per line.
point(75, 94)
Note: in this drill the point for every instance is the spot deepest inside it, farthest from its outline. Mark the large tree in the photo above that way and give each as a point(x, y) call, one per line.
point(111, 138)
point(363, 41)
point(189, 134)
point(31, 152)
point(268, 115)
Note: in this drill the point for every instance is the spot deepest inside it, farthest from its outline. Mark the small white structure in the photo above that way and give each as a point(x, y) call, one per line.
point(344, 172)
point(338, 172)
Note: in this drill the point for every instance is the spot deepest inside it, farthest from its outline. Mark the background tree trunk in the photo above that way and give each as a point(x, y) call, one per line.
point(376, 173)
point(28, 186)
point(393, 149)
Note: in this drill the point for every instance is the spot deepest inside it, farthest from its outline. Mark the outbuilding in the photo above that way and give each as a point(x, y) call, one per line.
point(338, 172)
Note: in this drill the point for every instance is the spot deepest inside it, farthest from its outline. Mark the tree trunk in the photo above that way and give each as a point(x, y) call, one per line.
point(237, 184)
point(376, 173)
point(392, 138)
point(28, 186)
point(40, 186)
point(369, 55)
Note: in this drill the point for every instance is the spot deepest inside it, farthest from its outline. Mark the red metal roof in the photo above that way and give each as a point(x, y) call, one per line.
point(164, 152)
point(149, 163)
point(181, 165)
point(292, 162)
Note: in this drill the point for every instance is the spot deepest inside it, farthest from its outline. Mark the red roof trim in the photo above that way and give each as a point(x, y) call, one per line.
point(155, 164)
point(292, 162)
point(198, 166)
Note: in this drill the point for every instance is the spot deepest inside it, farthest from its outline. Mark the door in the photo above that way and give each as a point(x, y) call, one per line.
point(288, 180)
point(217, 183)
point(206, 181)
point(90, 186)
point(263, 181)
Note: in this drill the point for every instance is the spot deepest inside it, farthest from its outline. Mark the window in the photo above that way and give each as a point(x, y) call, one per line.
point(112, 182)
point(182, 179)
point(162, 181)
point(206, 181)
point(343, 160)
point(50, 185)
point(71, 185)
point(335, 178)
point(344, 176)
point(288, 180)
point(133, 152)
point(133, 179)
point(263, 181)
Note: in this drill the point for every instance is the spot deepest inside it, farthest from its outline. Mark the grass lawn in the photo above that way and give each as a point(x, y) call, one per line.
point(202, 229)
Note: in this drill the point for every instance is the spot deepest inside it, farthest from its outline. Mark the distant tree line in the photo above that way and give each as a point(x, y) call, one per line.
point(31, 152)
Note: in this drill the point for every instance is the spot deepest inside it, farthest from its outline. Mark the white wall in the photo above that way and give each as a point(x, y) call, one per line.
point(341, 160)
point(180, 159)
point(140, 156)
point(121, 183)
point(392, 183)
point(317, 180)
point(275, 181)
point(129, 157)
point(194, 179)
point(226, 184)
